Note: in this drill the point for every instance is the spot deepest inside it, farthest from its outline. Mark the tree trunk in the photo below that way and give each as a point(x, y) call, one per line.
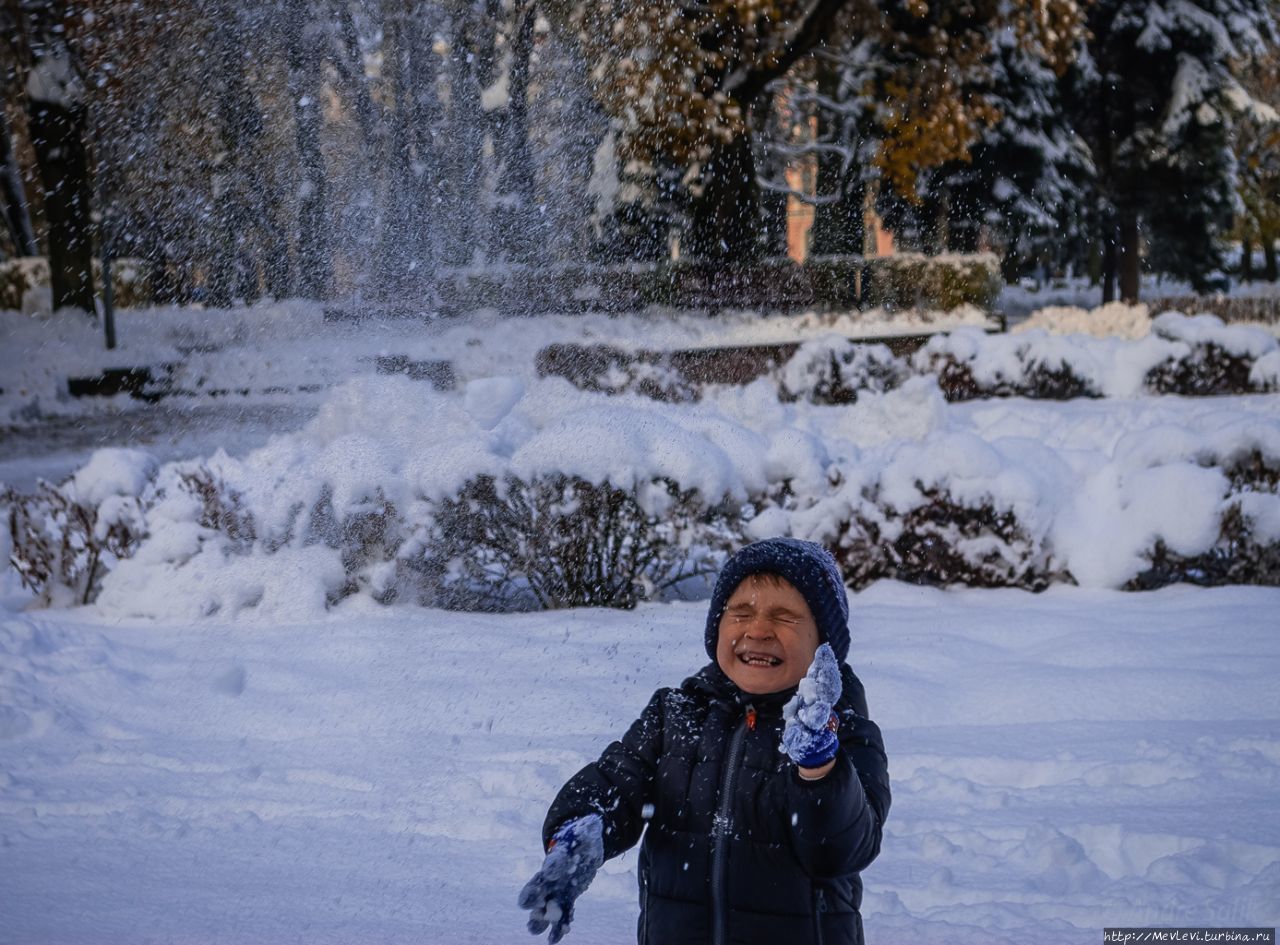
point(13, 196)
point(1109, 265)
point(470, 60)
point(391, 264)
point(232, 273)
point(839, 226)
point(515, 230)
point(1128, 262)
point(726, 215)
point(56, 114)
point(1246, 260)
point(964, 225)
point(350, 67)
point(773, 223)
point(1269, 255)
point(315, 265)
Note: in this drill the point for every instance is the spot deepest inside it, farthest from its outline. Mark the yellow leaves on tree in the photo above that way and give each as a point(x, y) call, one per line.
point(675, 73)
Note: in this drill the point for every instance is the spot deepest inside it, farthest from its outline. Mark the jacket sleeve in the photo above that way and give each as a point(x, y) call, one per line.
point(836, 822)
point(617, 785)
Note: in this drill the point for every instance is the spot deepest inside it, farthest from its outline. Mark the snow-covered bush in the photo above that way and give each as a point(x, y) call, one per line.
point(834, 370)
point(1239, 556)
point(1218, 359)
point(972, 364)
point(610, 370)
point(561, 541)
point(951, 509)
point(942, 542)
point(64, 539)
point(1247, 548)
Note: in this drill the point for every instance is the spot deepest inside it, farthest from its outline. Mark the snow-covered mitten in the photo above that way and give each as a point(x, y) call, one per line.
point(577, 850)
point(809, 737)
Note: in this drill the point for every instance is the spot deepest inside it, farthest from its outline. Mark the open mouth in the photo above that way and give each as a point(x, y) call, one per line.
point(759, 659)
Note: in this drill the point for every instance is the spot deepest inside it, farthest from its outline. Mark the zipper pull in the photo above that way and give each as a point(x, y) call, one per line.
point(751, 718)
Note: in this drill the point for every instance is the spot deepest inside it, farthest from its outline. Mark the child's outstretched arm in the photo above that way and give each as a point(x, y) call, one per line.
point(616, 786)
point(837, 796)
point(597, 814)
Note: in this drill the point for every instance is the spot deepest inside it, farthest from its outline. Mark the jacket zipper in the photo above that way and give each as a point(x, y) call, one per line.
point(819, 907)
point(719, 908)
point(644, 908)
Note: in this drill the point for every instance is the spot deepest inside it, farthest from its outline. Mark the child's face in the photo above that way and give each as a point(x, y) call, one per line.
point(767, 635)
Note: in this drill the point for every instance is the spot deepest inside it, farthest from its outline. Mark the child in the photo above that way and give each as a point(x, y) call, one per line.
point(762, 782)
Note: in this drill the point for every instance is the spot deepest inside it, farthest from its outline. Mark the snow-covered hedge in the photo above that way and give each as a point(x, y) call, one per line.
point(1193, 356)
point(399, 493)
point(913, 280)
point(956, 509)
point(899, 282)
point(498, 497)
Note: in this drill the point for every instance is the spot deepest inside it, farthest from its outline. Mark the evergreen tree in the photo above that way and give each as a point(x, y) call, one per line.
point(905, 97)
point(58, 123)
point(1154, 96)
point(1023, 179)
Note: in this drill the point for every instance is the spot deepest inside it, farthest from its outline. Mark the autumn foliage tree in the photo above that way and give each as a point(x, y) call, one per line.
point(1257, 153)
point(688, 83)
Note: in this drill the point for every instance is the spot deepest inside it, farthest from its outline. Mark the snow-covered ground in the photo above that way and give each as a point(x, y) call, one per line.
point(287, 352)
point(1060, 763)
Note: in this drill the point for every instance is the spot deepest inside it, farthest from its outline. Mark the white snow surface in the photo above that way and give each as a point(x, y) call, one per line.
point(1061, 762)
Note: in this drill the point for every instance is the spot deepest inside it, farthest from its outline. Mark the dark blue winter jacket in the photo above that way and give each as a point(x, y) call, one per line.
point(738, 848)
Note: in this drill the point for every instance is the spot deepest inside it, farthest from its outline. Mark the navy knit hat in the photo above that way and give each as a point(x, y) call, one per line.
point(811, 570)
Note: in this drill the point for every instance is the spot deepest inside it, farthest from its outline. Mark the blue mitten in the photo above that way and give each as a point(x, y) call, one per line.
point(577, 850)
point(809, 737)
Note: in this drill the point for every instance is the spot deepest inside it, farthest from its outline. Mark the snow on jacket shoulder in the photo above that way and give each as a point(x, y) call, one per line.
point(739, 849)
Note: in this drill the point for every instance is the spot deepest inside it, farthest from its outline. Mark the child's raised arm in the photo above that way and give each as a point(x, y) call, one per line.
point(838, 796)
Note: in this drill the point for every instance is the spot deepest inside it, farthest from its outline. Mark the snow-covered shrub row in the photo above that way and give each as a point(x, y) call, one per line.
point(953, 508)
point(1193, 356)
point(610, 370)
point(497, 497)
point(403, 493)
point(947, 281)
